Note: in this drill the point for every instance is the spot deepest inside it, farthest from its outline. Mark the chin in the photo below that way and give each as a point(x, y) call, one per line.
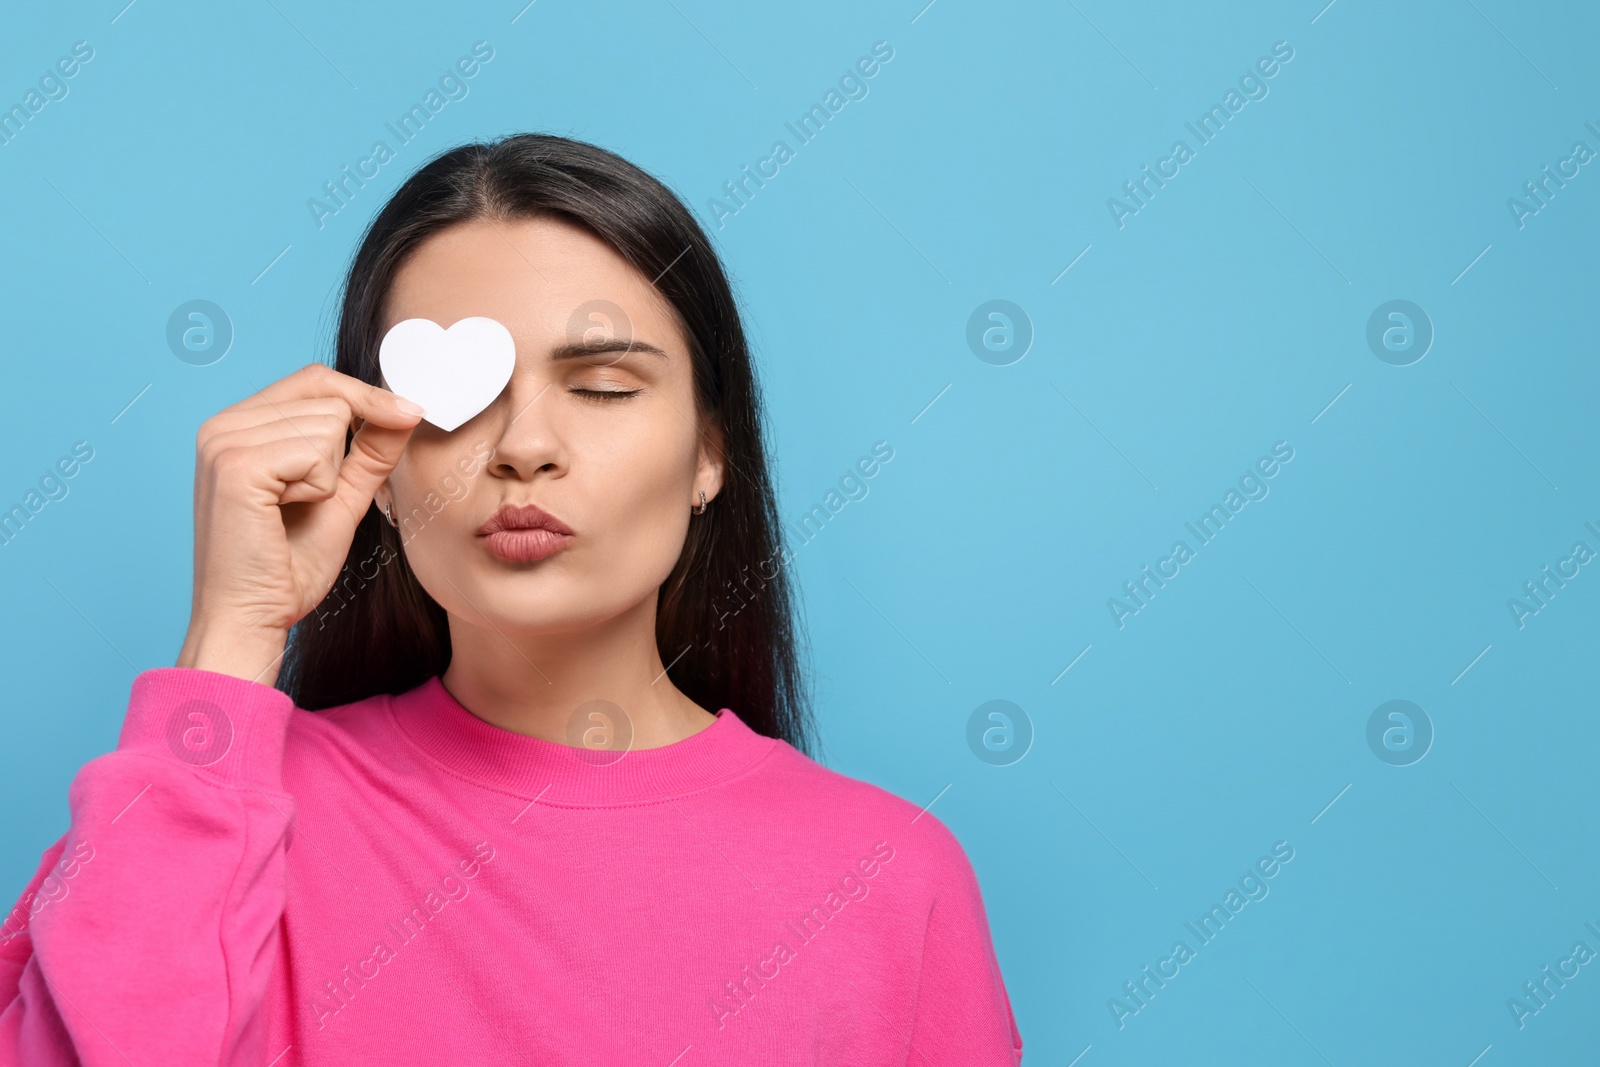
point(533, 607)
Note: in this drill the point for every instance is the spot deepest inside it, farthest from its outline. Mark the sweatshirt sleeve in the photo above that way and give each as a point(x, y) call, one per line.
point(963, 1013)
point(149, 933)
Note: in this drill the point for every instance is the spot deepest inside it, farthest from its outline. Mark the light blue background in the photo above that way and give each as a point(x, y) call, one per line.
point(1225, 316)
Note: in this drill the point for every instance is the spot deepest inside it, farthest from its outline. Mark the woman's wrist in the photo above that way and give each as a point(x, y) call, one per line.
point(253, 655)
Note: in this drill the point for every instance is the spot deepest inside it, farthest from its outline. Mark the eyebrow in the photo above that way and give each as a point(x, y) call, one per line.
point(584, 349)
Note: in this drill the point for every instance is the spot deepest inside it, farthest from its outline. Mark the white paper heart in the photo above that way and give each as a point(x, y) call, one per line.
point(454, 373)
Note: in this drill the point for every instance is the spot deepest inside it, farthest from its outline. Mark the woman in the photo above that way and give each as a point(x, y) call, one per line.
point(552, 804)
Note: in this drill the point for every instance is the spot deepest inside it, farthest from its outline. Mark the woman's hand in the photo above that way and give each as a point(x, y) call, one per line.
point(276, 503)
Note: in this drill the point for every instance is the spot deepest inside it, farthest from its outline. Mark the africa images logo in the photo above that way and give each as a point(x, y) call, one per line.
point(1253, 885)
point(1205, 129)
point(336, 993)
point(737, 992)
point(199, 732)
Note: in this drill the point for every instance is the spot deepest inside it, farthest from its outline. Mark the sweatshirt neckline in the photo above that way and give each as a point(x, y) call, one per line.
point(431, 718)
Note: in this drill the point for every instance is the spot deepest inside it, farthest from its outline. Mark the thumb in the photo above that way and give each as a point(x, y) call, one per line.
point(374, 450)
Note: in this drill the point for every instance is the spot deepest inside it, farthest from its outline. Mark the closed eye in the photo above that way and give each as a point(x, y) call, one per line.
point(603, 395)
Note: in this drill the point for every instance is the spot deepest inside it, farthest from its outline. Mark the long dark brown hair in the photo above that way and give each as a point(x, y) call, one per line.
point(725, 621)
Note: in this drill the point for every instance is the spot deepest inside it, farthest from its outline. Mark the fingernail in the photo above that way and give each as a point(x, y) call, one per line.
point(407, 406)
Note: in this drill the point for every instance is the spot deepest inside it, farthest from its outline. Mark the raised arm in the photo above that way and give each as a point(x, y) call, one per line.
point(149, 933)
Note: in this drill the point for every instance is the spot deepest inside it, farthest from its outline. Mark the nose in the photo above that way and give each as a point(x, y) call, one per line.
point(520, 426)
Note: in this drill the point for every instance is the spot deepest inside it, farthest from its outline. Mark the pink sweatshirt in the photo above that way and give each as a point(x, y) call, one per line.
point(396, 881)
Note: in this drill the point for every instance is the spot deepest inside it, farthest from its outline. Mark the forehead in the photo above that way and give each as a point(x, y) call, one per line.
point(545, 279)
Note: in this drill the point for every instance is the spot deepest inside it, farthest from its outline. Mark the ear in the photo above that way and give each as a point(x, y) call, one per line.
point(711, 460)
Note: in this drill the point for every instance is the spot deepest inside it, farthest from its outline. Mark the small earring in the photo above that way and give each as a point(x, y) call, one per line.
point(388, 513)
point(700, 508)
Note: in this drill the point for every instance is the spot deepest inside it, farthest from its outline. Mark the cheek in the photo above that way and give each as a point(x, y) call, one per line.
point(637, 477)
point(635, 487)
point(421, 484)
point(408, 480)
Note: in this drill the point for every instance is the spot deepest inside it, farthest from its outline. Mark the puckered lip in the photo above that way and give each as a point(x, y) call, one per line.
point(523, 517)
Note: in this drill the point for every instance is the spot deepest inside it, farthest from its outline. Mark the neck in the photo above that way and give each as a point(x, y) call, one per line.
point(603, 686)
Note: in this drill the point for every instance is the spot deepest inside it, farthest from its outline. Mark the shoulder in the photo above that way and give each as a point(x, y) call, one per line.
point(348, 718)
point(904, 833)
point(353, 732)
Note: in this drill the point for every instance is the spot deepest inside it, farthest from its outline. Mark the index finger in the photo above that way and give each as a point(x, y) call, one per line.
point(369, 403)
